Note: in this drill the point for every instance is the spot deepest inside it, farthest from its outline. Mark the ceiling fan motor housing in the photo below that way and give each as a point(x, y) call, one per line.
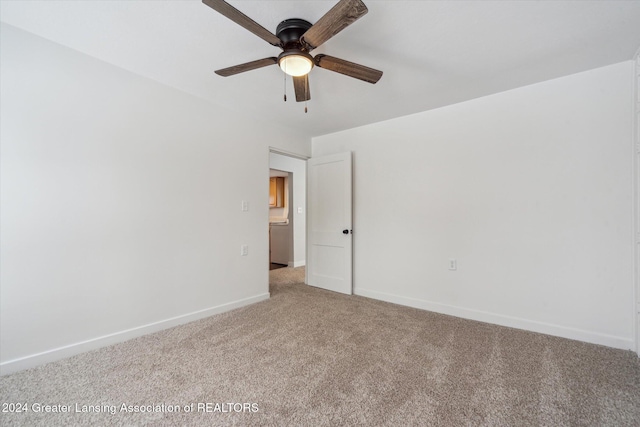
point(290, 31)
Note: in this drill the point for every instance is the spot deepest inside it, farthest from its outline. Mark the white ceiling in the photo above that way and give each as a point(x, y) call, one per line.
point(433, 53)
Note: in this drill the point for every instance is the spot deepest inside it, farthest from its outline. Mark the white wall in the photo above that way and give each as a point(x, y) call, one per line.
point(118, 216)
point(530, 190)
point(297, 220)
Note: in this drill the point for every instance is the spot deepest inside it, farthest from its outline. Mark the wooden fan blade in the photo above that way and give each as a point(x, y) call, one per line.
point(243, 20)
point(237, 69)
point(347, 68)
point(343, 14)
point(301, 86)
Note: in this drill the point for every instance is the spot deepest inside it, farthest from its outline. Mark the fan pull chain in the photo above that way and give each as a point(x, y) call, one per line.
point(285, 86)
point(306, 94)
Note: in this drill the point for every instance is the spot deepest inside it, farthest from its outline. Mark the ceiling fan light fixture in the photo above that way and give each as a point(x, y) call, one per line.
point(295, 64)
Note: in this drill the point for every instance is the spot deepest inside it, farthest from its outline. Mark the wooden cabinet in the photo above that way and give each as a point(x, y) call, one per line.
point(276, 192)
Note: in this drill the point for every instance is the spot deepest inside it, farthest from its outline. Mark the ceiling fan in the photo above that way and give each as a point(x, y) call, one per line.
point(297, 38)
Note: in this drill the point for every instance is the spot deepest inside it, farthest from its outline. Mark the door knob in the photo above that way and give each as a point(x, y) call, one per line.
point(345, 231)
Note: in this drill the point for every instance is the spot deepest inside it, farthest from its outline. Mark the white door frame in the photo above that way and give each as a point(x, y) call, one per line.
point(636, 202)
point(302, 158)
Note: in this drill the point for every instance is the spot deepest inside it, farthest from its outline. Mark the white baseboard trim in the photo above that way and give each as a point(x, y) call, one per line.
point(502, 320)
point(297, 263)
point(63, 352)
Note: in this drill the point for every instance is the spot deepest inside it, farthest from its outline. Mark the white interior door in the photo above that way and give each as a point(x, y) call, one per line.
point(329, 253)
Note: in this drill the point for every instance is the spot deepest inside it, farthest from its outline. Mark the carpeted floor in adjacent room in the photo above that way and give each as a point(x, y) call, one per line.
point(308, 357)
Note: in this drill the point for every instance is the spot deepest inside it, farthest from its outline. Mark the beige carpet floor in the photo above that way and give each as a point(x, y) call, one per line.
point(309, 357)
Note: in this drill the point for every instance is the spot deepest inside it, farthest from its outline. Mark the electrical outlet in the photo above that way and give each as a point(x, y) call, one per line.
point(244, 206)
point(453, 264)
point(244, 250)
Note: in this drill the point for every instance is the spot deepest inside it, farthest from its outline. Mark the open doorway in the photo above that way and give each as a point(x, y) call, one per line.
point(281, 218)
point(287, 211)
